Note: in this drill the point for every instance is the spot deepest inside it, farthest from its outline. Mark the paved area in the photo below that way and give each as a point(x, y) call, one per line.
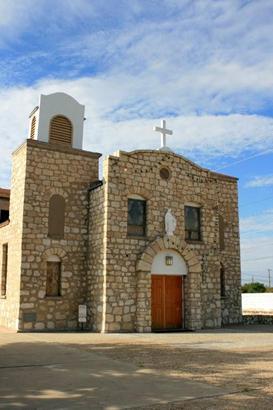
point(230, 368)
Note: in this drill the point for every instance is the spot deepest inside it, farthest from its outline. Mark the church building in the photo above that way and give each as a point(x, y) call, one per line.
point(153, 245)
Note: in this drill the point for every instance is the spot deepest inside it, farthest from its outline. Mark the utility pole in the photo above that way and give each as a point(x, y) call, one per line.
point(269, 277)
point(252, 278)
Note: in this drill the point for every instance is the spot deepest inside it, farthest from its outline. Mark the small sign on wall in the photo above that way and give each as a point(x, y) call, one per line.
point(82, 313)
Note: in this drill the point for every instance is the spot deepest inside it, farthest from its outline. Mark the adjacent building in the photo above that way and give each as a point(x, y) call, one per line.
point(4, 205)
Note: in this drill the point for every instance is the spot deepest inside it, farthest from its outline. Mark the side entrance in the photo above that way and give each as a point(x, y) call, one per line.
point(167, 302)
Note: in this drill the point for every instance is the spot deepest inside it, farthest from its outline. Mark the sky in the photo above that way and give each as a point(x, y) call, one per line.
point(206, 66)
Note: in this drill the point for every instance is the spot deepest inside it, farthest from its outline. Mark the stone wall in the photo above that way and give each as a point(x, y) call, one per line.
point(68, 172)
point(230, 256)
point(97, 249)
point(257, 319)
point(138, 173)
point(103, 266)
point(12, 235)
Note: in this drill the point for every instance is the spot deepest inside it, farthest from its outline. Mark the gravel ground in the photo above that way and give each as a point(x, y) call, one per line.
point(240, 357)
point(248, 371)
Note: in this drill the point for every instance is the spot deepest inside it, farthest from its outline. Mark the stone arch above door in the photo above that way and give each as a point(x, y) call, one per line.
point(193, 284)
point(169, 242)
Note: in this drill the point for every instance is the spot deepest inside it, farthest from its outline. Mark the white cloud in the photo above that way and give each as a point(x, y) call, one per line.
point(260, 181)
point(256, 257)
point(257, 246)
point(18, 17)
point(206, 56)
point(263, 222)
point(15, 18)
point(185, 61)
point(204, 59)
point(10, 11)
point(104, 97)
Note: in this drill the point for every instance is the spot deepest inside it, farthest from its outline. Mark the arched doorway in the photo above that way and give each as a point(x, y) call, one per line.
point(167, 290)
point(192, 282)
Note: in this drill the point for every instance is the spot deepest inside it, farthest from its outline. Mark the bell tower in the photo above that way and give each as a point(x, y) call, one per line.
point(57, 120)
point(52, 175)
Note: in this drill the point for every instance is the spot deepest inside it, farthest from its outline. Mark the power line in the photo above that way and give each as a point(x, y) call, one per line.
point(250, 272)
point(246, 159)
point(254, 278)
point(259, 273)
point(248, 231)
point(258, 277)
point(268, 211)
point(255, 202)
point(256, 246)
point(258, 259)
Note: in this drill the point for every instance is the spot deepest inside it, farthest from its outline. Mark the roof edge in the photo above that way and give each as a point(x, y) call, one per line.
point(4, 193)
point(169, 153)
point(57, 148)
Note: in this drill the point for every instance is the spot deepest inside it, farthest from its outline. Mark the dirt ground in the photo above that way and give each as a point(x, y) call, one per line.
point(249, 373)
point(239, 358)
point(247, 370)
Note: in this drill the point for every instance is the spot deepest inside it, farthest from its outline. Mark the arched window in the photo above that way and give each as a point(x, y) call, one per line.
point(56, 217)
point(222, 281)
point(60, 131)
point(32, 128)
point(53, 276)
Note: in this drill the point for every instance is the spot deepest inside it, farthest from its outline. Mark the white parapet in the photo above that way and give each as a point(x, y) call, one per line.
point(257, 303)
point(53, 105)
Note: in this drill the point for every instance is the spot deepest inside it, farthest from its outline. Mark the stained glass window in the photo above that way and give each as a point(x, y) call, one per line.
point(136, 217)
point(192, 223)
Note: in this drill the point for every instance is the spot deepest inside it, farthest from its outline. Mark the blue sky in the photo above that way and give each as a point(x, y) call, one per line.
point(205, 66)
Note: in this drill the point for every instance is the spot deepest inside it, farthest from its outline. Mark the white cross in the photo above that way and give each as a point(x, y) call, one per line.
point(163, 131)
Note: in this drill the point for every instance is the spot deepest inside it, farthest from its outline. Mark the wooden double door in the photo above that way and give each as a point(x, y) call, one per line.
point(167, 302)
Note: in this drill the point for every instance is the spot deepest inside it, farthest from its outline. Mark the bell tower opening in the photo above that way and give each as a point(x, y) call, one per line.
point(60, 131)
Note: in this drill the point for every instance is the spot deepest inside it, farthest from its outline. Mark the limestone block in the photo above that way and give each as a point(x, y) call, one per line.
point(144, 266)
point(39, 326)
point(27, 305)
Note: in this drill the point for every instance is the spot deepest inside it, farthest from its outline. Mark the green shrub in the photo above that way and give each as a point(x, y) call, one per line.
point(255, 287)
